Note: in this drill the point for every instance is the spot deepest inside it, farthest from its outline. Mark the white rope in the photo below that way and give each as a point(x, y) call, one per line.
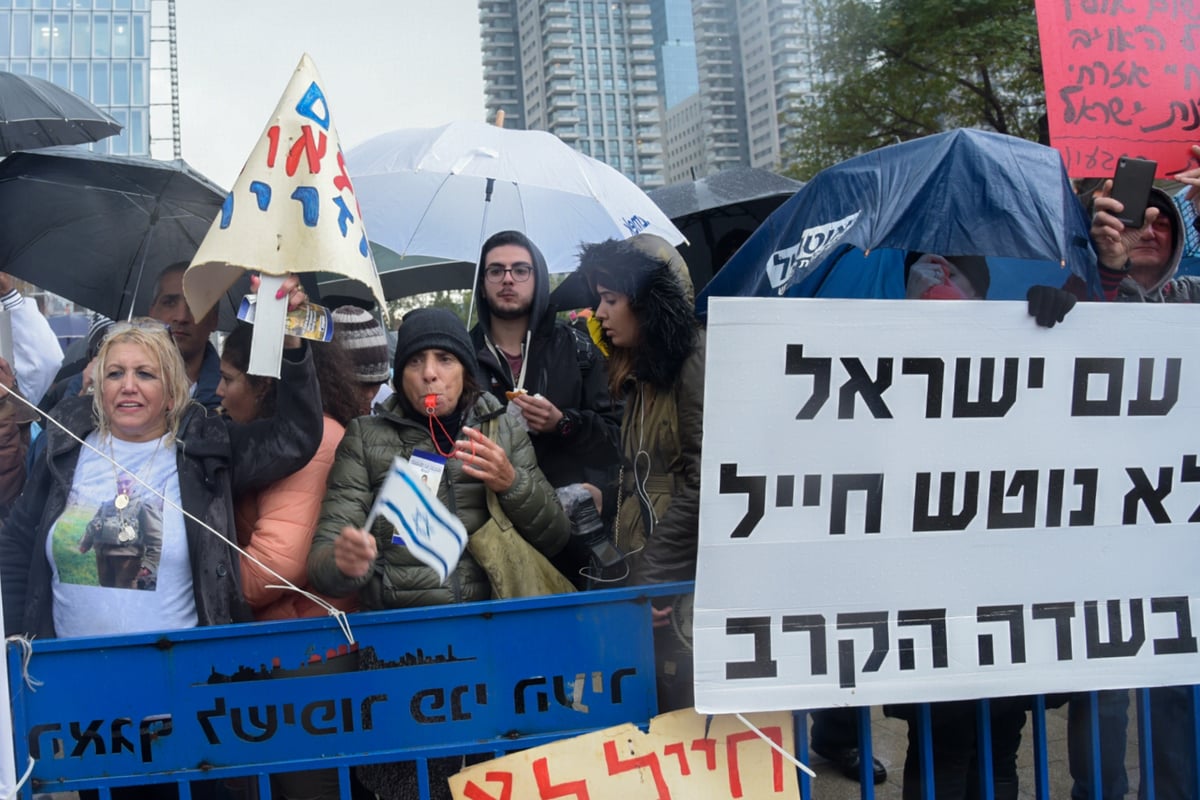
point(774, 746)
point(26, 645)
point(16, 792)
point(333, 611)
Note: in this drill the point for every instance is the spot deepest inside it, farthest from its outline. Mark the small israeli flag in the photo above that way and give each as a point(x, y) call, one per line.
point(423, 524)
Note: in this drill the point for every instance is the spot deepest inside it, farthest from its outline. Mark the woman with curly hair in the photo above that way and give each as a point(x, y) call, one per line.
point(656, 365)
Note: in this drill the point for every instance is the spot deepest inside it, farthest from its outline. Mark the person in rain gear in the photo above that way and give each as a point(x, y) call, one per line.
point(645, 307)
point(553, 375)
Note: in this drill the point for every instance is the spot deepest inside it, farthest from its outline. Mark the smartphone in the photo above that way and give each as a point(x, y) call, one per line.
point(1131, 186)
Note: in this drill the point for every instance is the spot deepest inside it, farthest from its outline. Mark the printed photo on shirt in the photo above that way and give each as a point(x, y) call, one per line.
point(116, 544)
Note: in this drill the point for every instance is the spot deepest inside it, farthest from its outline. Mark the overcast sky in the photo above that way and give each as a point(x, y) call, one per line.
point(385, 64)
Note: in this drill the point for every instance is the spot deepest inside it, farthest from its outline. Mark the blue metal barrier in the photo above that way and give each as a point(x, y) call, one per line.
point(479, 678)
point(277, 697)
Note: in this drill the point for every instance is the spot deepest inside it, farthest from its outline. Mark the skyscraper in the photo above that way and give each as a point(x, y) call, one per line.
point(674, 50)
point(99, 49)
point(779, 66)
point(582, 70)
point(663, 90)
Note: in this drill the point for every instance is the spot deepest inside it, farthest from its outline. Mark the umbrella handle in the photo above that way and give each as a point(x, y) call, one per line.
point(487, 205)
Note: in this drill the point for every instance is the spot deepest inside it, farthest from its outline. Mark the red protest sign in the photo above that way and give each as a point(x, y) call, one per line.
point(1122, 78)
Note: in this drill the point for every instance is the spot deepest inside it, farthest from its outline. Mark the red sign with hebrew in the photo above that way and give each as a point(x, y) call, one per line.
point(1122, 78)
point(684, 755)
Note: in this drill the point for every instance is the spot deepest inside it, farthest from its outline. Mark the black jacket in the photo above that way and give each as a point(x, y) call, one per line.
point(212, 454)
point(566, 368)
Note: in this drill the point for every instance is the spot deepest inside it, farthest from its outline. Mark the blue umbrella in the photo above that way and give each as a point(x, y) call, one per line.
point(964, 192)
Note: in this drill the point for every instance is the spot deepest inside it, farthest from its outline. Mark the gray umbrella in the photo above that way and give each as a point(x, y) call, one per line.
point(97, 229)
point(36, 113)
point(719, 212)
point(400, 276)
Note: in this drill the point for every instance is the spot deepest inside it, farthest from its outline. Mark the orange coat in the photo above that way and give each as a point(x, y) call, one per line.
point(276, 525)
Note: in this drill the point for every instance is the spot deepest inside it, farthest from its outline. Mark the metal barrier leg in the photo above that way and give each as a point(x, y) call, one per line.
point(800, 733)
point(1145, 728)
point(983, 738)
point(866, 757)
point(925, 739)
point(1041, 760)
point(1096, 739)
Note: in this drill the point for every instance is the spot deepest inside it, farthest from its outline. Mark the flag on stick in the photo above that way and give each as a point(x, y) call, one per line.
point(423, 524)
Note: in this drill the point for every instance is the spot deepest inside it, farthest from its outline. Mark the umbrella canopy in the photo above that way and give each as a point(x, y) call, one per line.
point(718, 213)
point(401, 277)
point(964, 192)
point(36, 113)
point(442, 191)
point(97, 229)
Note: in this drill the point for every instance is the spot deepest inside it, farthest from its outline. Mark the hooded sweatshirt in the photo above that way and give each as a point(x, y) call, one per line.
point(1167, 288)
point(562, 365)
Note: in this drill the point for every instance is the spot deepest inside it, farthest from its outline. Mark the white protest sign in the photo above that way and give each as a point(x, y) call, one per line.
point(426, 527)
point(293, 207)
point(684, 755)
point(921, 500)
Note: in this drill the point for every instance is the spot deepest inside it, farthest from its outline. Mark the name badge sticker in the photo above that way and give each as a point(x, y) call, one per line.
point(430, 467)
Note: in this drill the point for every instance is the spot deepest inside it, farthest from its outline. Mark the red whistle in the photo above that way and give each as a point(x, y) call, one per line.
point(430, 403)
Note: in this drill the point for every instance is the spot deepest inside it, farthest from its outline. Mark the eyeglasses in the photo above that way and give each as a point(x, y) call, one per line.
point(520, 273)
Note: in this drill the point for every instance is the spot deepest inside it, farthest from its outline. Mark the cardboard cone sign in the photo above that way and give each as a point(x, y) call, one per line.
point(293, 207)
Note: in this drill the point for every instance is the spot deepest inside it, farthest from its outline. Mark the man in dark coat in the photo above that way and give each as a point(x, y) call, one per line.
point(547, 370)
point(550, 370)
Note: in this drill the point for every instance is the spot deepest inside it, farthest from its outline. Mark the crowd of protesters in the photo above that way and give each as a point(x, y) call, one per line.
point(537, 426)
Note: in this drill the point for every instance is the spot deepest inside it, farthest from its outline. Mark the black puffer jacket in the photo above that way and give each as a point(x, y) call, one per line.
point(212, 455)
point(566, 368)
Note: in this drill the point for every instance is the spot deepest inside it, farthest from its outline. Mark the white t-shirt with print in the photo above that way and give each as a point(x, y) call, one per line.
point(121, 570)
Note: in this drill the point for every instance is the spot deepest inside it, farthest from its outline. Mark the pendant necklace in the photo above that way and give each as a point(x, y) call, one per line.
point(127, 532)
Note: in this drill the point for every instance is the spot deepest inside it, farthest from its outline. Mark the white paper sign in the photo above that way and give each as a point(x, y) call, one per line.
point(921, 500)
point(293, 207)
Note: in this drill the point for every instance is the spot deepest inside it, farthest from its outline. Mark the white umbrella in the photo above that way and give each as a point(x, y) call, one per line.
point(442, 191)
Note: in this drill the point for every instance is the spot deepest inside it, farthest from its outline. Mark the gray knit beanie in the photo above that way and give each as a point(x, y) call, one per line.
point(365, 342)
point(433, 329)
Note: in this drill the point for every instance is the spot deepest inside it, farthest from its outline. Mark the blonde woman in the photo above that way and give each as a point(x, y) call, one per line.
point(143, 418)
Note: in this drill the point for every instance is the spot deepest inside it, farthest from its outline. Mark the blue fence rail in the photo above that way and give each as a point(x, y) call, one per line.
point(418, 684)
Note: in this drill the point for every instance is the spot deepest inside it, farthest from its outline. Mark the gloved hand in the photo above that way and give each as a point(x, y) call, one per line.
point(1048, 305)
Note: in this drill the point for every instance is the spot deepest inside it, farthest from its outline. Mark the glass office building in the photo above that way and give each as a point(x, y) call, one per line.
point(99, 49)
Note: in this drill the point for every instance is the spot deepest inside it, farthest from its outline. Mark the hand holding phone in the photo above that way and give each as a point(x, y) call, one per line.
point(1131, 186)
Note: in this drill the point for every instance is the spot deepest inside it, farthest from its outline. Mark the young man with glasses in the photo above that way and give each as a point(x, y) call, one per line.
point(541, 366)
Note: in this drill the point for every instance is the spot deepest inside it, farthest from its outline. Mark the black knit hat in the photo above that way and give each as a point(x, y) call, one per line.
point(365, 342)
point(433, 328)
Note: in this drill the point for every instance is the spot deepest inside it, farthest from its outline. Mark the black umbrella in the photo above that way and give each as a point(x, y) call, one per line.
point(719, 212)
point(97, 229)
point(36, 113)
point(716, 214)
point(401, 276)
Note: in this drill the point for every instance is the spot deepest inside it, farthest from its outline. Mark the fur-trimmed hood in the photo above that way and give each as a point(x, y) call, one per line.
point(648, 270)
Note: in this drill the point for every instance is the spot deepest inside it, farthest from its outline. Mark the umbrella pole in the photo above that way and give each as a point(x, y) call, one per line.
point(487, 204)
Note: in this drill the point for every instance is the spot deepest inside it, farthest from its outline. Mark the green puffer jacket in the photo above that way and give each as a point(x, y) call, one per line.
point(399, 580)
